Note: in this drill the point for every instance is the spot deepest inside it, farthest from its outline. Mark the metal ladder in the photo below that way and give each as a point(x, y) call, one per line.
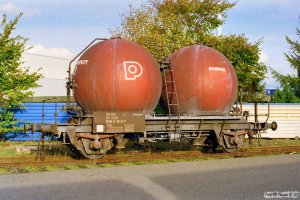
point(171, 94)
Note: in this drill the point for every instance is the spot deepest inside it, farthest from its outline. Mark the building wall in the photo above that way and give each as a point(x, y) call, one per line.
point(287, 117)
point(54, 70)
point(51, 87)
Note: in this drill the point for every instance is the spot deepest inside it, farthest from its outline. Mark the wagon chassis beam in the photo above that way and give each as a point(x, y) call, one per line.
point(208, 125)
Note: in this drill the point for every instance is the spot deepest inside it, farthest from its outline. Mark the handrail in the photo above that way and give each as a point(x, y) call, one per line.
point(70, 81)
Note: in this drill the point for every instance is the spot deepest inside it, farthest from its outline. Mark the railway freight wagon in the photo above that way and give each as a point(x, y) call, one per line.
point(117, 85)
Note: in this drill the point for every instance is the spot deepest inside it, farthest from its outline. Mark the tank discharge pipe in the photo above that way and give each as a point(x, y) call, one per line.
point(70, 83)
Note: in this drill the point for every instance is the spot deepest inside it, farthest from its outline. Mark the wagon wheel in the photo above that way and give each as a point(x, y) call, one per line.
point(231, 143)
point(83, 147)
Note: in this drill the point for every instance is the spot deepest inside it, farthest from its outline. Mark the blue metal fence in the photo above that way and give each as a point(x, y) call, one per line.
point(32, 113)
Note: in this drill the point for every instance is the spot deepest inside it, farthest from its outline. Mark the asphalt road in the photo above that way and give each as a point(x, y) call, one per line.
point(241, 178)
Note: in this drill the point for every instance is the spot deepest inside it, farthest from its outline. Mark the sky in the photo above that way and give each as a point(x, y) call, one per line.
point(62, 28)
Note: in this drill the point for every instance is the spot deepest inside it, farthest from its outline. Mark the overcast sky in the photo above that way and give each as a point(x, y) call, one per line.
point(63, 28)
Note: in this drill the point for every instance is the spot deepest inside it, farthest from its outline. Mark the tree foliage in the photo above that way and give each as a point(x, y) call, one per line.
point(164, 26)
point(290, 92)
point(15, 81)
point(285, 95)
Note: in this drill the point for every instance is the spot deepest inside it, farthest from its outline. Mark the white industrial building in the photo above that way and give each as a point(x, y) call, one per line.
point(54, 70)
point(287, 117)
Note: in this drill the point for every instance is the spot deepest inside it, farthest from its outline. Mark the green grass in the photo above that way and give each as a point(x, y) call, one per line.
point(125, 164)
point(50, 168)
point(6, 152)
point(159, 161)
point(14, 143)
point(273, 142)
point(4, 171)
point(8, 149)
point(15, 149)
point(141, 162)
point(31, 169)
point(107, 165)
point(87, 166)
point(72, 167)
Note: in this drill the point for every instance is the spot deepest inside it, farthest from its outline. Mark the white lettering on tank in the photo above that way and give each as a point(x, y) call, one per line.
point(82, 62)
point(132, 70)
point(217, 69)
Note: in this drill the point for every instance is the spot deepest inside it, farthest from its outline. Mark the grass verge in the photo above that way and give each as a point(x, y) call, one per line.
point(9, 149)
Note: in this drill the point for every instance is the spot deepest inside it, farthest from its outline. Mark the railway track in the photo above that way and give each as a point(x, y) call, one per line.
point(144, 157)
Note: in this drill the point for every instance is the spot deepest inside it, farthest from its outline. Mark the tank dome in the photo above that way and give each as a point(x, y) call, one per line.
point(117, 76)
point(206, 82)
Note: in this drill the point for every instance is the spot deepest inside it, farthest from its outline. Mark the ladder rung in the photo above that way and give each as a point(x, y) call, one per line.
point(170, 84)
point(173, 92)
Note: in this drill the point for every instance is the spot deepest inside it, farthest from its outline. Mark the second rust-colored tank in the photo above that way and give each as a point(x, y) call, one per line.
point(206, 82)
point(117, 76)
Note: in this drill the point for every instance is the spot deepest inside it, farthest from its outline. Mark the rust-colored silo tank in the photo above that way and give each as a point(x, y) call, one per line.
point(117, 76)
point(206, 82)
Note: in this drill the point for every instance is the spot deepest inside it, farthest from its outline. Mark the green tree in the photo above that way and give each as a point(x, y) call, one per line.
point(164, 26)
point(290, 92)
point(15, 80)
point(285, 95)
